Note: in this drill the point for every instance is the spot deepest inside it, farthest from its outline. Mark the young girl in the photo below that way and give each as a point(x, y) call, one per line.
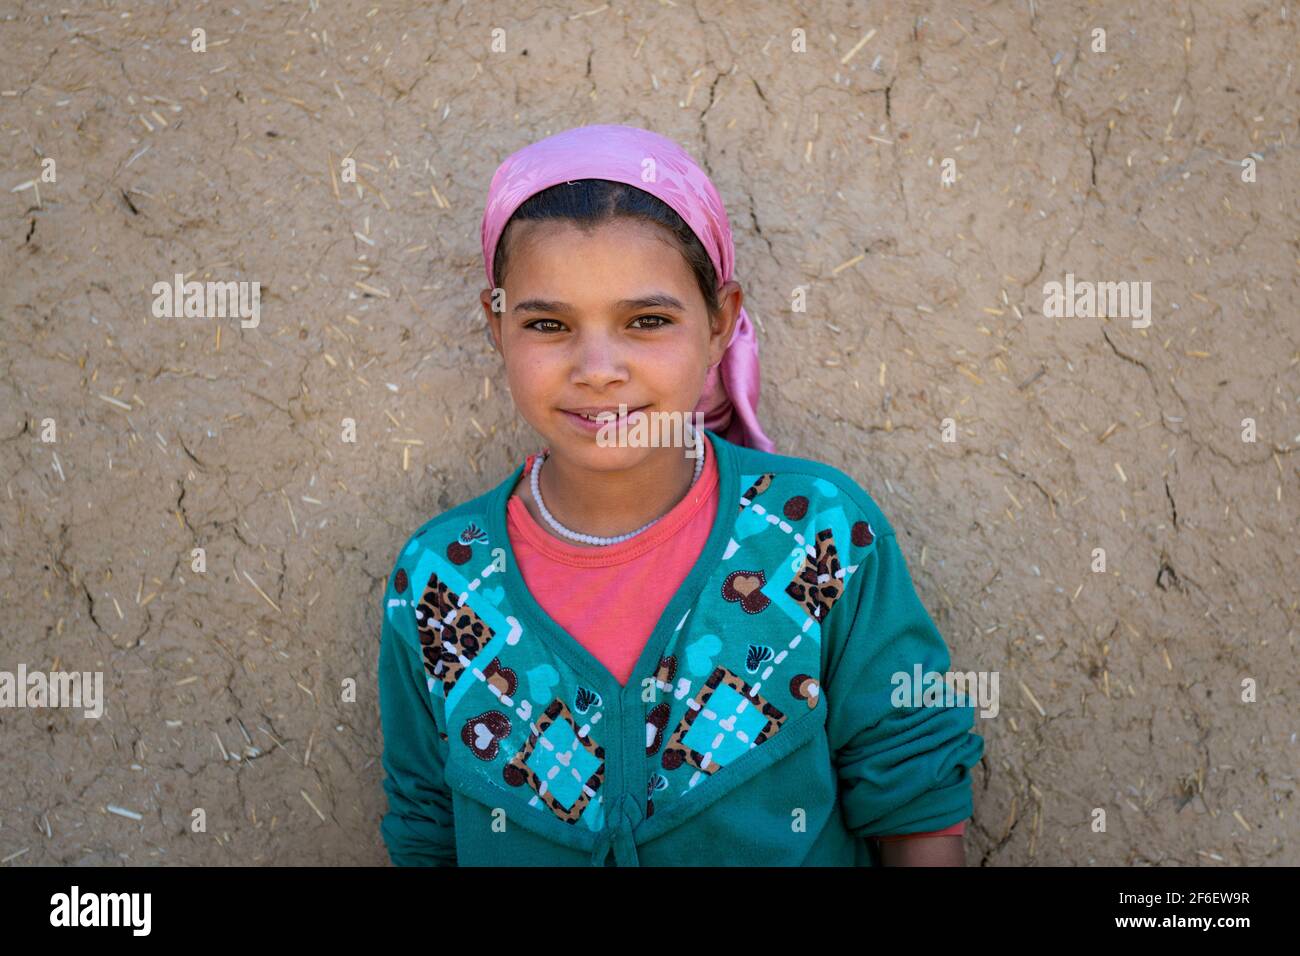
point(653, 652)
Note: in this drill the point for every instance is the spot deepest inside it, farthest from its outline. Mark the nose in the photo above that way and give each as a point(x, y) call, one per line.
point(598, 361)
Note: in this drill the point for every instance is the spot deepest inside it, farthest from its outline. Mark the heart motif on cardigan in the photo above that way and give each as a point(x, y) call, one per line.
point(482, 734)
point(699, 655)
point(541, 679)
point(745, 588)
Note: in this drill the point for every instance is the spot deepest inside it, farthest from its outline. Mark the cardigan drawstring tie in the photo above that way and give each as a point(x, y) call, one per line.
point(622, 817)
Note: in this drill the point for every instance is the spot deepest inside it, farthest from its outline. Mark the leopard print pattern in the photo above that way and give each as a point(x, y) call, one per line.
point(518, 772)
point(449, 645)
point(677, 752)
point(820, 582)
point(757, 488)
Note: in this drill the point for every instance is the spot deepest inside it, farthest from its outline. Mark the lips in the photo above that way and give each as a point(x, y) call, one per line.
point(593, 414)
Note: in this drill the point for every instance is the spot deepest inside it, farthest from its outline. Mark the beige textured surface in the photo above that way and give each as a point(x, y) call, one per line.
point(924, 303)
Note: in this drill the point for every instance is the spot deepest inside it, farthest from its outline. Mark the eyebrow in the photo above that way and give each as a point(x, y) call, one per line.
point(655, 300)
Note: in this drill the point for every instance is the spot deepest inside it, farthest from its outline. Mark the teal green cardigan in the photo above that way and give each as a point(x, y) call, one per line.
point(757, 729)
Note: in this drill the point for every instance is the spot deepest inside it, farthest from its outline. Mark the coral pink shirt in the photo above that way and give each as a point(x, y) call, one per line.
point(584, 590)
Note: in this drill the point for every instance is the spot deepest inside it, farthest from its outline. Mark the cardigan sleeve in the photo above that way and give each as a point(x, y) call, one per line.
point(418, 826)
point(901, 769)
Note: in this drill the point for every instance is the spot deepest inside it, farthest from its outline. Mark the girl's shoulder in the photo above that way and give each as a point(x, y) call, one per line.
point(804, 483)
point(453, 532)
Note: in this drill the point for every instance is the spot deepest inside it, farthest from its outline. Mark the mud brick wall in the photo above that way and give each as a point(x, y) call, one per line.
point(921, 171)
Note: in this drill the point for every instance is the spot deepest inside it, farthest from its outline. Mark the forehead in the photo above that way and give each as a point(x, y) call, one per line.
point(621, 249)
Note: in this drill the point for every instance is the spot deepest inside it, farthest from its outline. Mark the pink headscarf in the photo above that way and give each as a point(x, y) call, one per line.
point(619, 153)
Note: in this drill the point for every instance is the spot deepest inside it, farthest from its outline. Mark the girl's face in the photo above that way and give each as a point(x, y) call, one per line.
point(592, 320)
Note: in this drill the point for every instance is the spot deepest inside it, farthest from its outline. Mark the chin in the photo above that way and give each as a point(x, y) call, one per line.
point(598, 457)
point(593, 457)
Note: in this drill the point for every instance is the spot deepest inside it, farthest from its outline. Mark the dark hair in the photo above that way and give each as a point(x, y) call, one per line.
point(592, 202)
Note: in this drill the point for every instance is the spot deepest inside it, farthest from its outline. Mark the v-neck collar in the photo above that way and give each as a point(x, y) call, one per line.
point(564, 644)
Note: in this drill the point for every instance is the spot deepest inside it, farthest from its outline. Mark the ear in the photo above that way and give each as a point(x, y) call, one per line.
point(493, 328)
point(730, 299)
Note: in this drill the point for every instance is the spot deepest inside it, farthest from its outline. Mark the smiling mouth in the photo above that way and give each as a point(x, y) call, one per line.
point(603, 414)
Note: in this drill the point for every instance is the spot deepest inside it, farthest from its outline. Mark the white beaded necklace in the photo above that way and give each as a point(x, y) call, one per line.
point(591, 538)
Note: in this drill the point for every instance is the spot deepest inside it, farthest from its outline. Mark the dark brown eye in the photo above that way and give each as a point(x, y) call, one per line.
point(662, 320)
point(536, 322)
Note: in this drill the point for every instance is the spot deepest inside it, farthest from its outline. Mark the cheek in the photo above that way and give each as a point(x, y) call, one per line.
point(679, 378)
point(681, 364)
point(529, 377)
